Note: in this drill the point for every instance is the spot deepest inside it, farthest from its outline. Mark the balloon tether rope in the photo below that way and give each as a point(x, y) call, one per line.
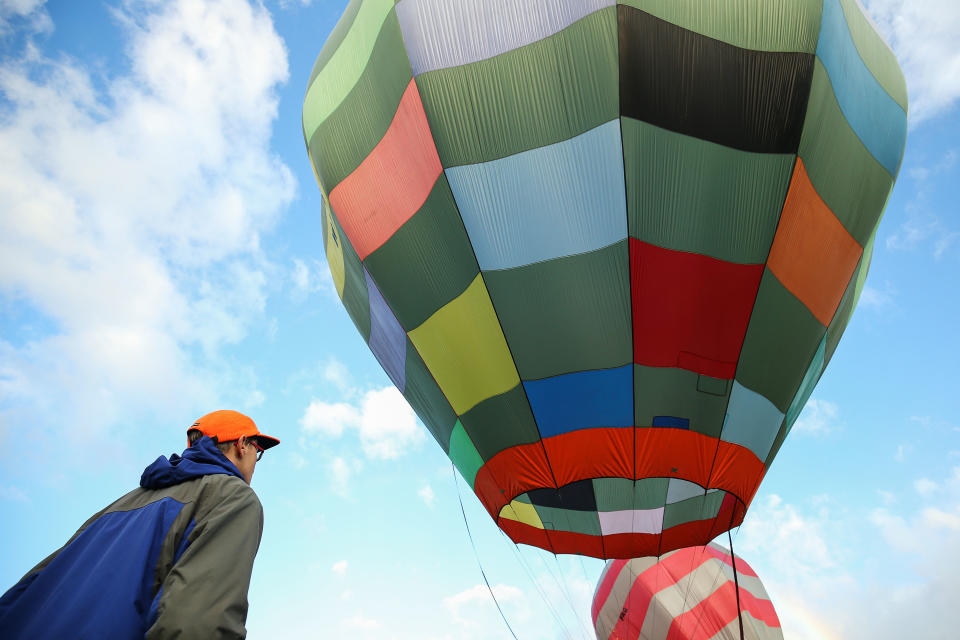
point(477, 555)
point(736, 582)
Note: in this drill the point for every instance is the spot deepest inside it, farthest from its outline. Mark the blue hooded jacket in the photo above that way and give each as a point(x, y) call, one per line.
point(109, 579)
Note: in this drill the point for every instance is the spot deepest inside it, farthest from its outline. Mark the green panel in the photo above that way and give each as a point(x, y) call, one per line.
point(355, 126)
point(500, 422)
point(781, 340)
point(688, 194)
point(336, 37)
point(620, 494)
point(426, 398)
point(675, 392)
point(331, 84)
point(703, 507)
point(587, 522)
point(464, 455)
point(545, 92)
point(568, 314)
point(523, 498)
point(752, 24)
point(355, 297)
point(848, 178)
point(428, 262)
point(875, 53)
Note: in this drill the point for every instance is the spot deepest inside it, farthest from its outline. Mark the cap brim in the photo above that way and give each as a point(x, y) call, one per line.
point(266, 441)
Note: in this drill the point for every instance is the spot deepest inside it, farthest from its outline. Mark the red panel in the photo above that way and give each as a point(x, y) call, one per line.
point(737, 470)
point(674, 453)
point(591, 453)
point(524, 534)
point(631, 545)
point(687, 534)
point(578, 543)
point(511, 472)
point(742, 567)
point(718, 610)
point(605, 587)
point(689, 310)
point(392, 183)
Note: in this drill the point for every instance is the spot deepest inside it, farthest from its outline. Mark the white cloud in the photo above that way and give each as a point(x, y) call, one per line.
point(923, 36)
point(13, 494)
point(386, 425)
point(30, 13)
point(925, 486)
point(336, 372)
point(924, 227)
point(310, 277)
point(340, 473)
point(819, 417)
point(875, 298)
point(360, 622)
point(474, 604)
point(426, 494)
point(133, 214)
point(339, 568)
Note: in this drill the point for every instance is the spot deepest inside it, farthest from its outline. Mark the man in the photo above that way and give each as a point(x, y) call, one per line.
point(170, 559)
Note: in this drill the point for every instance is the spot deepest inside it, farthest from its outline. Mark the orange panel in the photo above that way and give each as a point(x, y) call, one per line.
point(813, 255)
point(511, 472)
point(578, 543)
point(631, 545)
point(392, 183)
point(524, 534)
point(674, 453)
point(591, 453)
point(737, 470)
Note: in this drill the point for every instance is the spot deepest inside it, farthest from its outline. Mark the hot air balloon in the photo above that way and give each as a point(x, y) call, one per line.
point(690, 594)
point(604, 249)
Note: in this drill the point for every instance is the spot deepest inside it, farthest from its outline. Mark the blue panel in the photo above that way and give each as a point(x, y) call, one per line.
point(671, 422)
point(752, 421)
point(809, 382)
point(582, 400)
point(876, 118)
point(388, 340)
point(563, 199)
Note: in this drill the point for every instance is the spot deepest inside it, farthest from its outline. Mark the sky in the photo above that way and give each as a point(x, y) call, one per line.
point(161, 256)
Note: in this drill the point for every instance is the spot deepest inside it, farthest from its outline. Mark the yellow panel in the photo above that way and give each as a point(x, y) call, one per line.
point(334, 250)
point(465, 350)
point(522, 512)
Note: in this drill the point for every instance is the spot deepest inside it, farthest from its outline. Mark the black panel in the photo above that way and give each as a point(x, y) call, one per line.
point(578, 496)
point(686, 82)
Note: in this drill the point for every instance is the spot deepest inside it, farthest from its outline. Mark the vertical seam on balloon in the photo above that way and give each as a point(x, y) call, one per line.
point(796, 156)
point(500, 324)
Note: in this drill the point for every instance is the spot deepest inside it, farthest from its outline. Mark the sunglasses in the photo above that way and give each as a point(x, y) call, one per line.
point(259, 449)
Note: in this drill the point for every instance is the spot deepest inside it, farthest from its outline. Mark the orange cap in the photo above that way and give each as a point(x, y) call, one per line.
point(226, 425)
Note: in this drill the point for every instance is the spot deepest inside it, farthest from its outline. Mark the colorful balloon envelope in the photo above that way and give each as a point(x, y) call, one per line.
point(688, 594)
point(605, 250)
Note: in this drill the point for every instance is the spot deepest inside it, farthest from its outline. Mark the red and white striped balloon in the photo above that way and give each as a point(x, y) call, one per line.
point(689, 594)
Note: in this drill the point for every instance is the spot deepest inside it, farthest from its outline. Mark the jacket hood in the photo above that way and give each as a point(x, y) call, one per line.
point(202, 459)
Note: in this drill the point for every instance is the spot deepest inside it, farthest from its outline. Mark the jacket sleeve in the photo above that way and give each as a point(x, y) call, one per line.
point(205, 593)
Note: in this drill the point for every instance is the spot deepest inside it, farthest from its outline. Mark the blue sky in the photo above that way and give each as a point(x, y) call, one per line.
point(161, 256)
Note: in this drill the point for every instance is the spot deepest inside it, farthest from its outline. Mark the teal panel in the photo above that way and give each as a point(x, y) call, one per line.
point(464, 455)
point(692, 195)
point(568, 314)
point(428, 262)
point(752, 421)
point(808, 383)
point(875, 53)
